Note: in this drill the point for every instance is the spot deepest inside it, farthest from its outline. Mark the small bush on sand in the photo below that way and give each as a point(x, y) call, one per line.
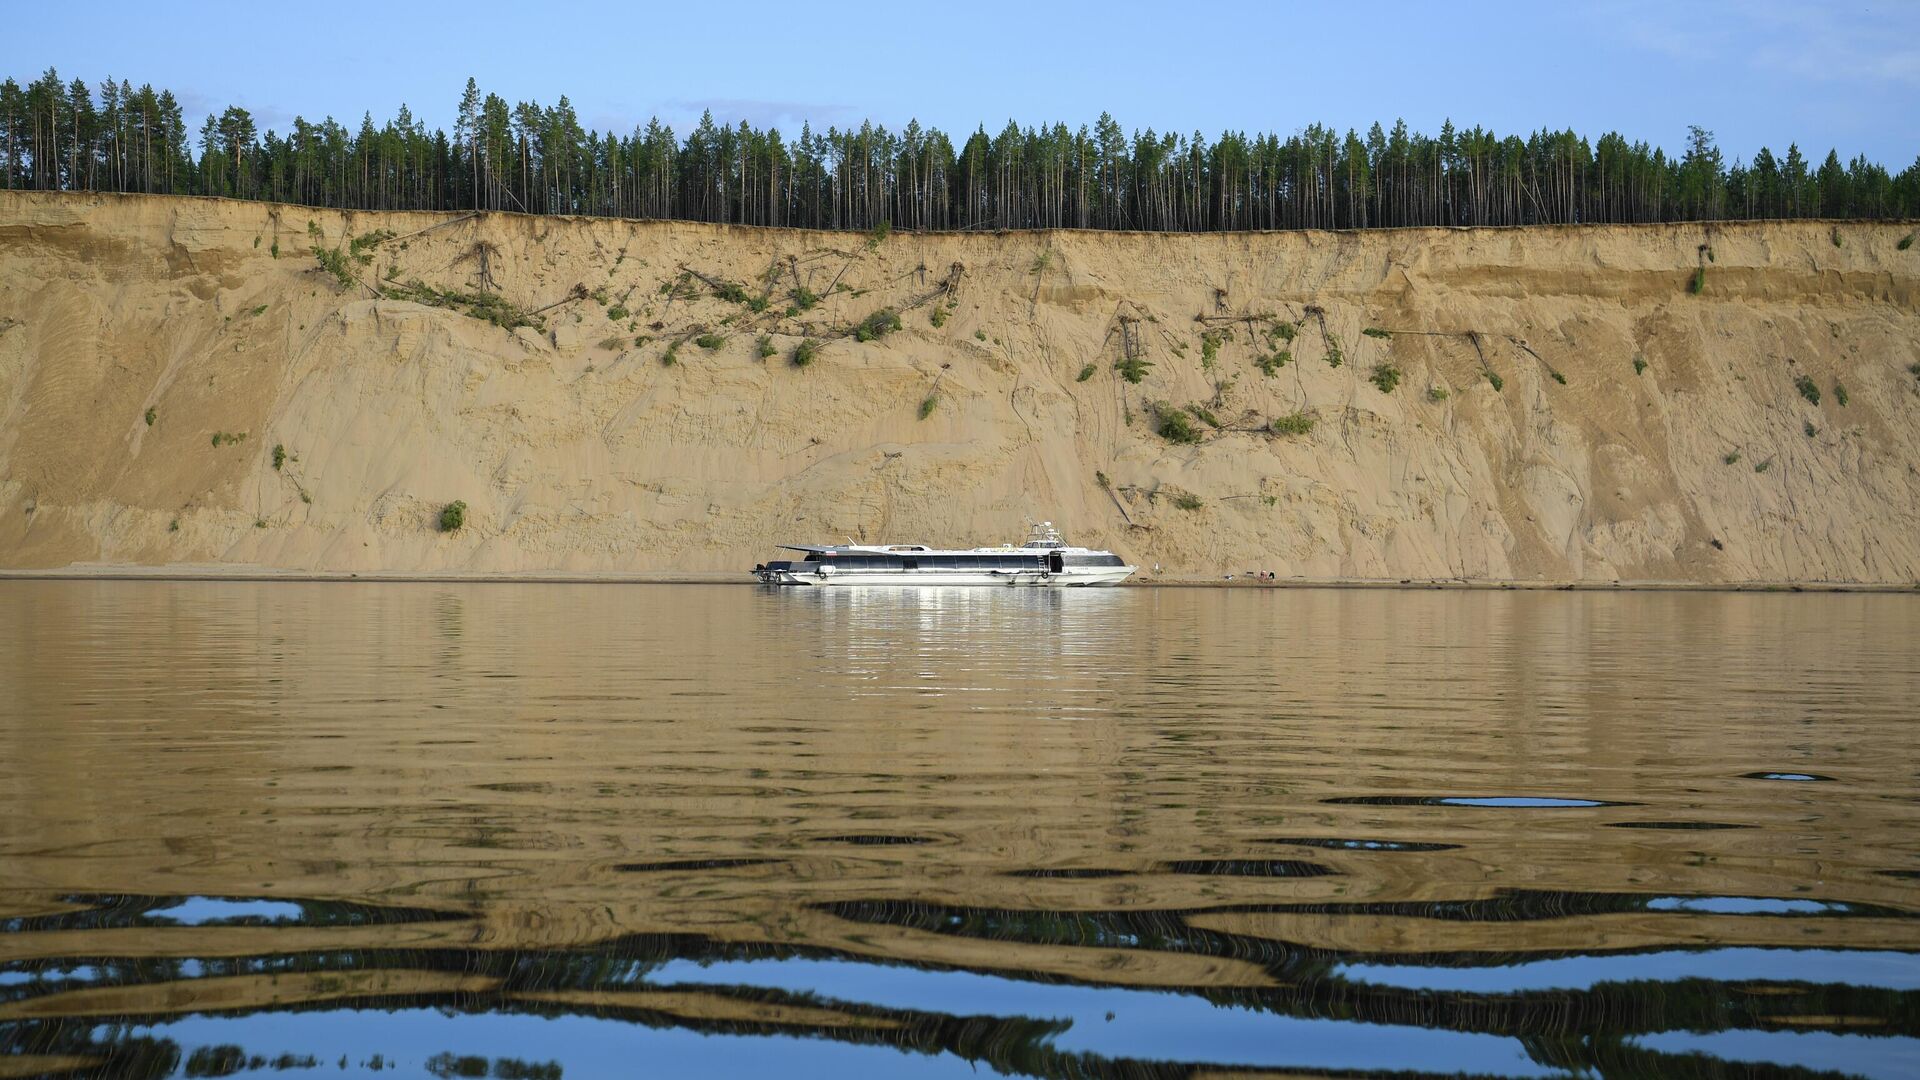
point(1188, 501)
point(1174, 426)
point(928, 404)
point(1807, 389)
point(1497, 382)
point(1639, 365)
point(804, 352)
point(452, 516)
point(1291, 424)
point(151, 416)
point(1271, 365)
point(1840, 393)
point(877, 325)
point(1085, 374)
point(763, 346)
point(710, 342)
point(1385, 377)
point(279, 456)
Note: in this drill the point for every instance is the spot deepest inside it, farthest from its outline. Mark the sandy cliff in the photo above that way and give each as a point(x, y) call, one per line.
point(576, 448)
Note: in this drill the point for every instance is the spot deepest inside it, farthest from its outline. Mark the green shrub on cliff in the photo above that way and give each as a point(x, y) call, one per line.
point(335, 262)
point(1174, 426)
point(877, 325)
point(1291, 424)
point(452, 516)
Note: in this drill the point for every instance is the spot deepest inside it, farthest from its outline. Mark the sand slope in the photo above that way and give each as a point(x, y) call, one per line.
point(577, 450)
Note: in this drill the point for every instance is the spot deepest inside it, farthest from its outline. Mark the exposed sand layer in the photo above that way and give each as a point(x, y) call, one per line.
point(578, 451)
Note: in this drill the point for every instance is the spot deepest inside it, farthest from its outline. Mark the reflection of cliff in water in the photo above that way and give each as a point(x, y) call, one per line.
point(104, 1009)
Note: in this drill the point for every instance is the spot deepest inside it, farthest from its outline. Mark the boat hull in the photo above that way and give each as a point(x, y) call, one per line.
point(1076, 577)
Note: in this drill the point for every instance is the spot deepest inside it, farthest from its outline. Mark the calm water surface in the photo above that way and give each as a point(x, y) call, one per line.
point(539, 831)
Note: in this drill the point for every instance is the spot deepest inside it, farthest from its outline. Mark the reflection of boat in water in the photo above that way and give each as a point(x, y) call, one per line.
point(1043, 560)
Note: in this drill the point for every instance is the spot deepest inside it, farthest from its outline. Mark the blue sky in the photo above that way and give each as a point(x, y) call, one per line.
point(1835, 74)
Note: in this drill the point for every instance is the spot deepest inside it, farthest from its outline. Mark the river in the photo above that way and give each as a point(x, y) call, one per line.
point(587, 830)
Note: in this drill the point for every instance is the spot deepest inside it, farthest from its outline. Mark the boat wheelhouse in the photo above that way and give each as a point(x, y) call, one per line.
point(1043, 560)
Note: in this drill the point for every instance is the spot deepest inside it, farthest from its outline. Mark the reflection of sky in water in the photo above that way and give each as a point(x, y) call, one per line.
point(584, 1046)
point(1514, 800)
point(201, 910)
point(1145, 1024)
point(1743, 905)
point(1888, 1057)
point(70, 973)
point(1887, 970)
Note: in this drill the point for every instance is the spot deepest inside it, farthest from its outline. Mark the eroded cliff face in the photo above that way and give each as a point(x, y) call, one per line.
point(577, 448)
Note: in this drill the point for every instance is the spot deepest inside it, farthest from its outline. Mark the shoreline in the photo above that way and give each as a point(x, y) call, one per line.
point(261, 574)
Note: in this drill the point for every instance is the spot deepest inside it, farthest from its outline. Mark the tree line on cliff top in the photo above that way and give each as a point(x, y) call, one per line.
point(59, 135)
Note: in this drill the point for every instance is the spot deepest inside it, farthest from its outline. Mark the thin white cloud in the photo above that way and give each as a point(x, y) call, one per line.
point(760, 113)
point(1804, 41)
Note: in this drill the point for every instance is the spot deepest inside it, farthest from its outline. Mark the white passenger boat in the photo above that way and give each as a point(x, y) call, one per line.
point(1044, 560)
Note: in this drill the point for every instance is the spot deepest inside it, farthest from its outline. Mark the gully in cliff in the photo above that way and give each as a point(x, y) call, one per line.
point(1044, 560)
